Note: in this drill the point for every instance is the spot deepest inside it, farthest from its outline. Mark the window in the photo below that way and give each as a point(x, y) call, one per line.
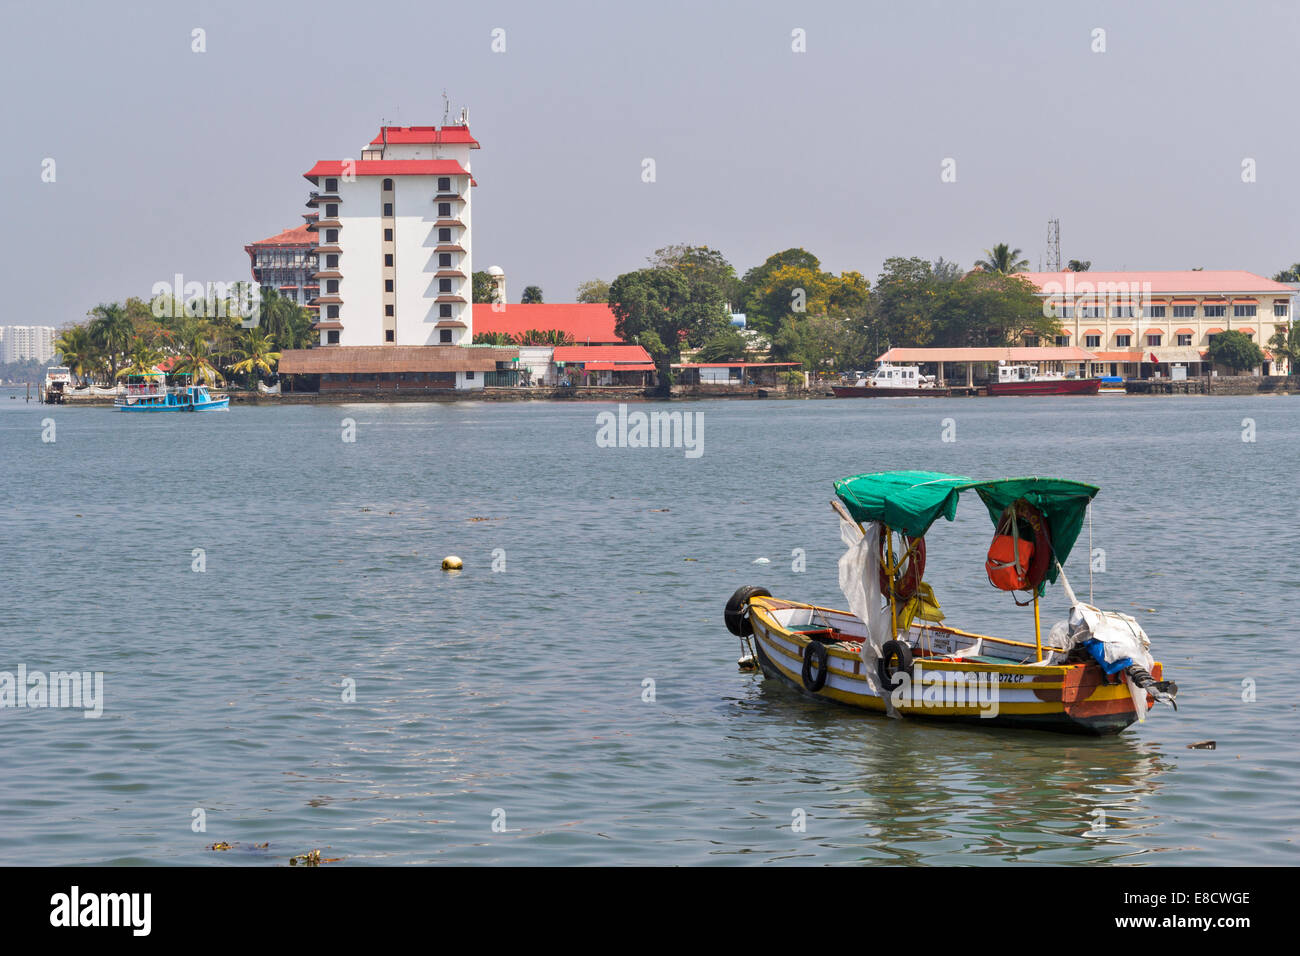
point(332, 337)
point(1185, 339)
point(444, 311)
point(1156, 311)
point(388, 311)
point(1243, 311)
point(469, 376)
point(1065, 311)
point(332, 261)
point(1123, 341)
point(1031, 341)
point(388, 285)
point(1153, 341)
point(444, 260)
point(388, 258)
point(444, 336)
point(331, 235)
point(388, 185)
point(1279, 310)
point(1184, 312)
point(444, 285)
point(388, 235)
point(332, 286)
point(331, 210)
point(1123, 312)
point(1215, 311)
point(331, 312)
point(388, 209)
point(1092, 341)
point(444, 184)
point(388, 335)
point(1062, 340)
point(1091, 312)
point(444, 235)
point(444, 210)
point(331, 185)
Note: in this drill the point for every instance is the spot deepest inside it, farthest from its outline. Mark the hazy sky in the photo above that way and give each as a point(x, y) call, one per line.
point(170, 161)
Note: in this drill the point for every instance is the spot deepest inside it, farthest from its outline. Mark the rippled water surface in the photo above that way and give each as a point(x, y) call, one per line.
point(516, 695)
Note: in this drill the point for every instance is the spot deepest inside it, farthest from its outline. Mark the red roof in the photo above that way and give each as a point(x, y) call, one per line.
point(298, 236)
point(408, 135)
point(388, 167)
point(619, 367)
point(614, 354)
point(736, 365)
point(592, 324)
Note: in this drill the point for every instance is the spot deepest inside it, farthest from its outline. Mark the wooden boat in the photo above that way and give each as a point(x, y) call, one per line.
point(1026, 380)
point(893, 655)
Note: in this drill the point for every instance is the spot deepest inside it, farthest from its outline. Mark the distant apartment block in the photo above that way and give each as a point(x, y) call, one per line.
point(19, 343)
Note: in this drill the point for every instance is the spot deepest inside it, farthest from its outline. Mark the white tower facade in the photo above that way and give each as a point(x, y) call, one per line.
point(394, 250)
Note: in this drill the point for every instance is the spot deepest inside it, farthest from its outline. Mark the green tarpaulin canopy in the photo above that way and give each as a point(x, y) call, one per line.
point(911, 501)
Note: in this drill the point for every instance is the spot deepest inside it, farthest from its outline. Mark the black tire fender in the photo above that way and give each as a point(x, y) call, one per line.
point(885, 671)
point(736, 615)
point(815, 650)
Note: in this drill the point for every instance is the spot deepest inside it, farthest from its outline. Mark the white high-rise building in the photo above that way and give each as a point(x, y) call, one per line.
point(21, 342)
point(394, 251)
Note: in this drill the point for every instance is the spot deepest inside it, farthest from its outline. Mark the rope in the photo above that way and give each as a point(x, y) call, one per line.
point(1090, 600)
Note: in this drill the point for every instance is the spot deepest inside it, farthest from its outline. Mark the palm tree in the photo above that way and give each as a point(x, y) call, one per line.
point(493, 338)
point(77, 351)
point(1002, 258)
point(549, 337)
point(532, 295)
point(194, 356)
point(259, 356)
point(112, 330)
point(143, 359)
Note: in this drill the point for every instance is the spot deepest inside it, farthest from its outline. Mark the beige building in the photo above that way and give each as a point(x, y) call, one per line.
point(1149, 324)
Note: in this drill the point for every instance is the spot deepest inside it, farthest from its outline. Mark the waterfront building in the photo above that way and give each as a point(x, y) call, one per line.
point(18, 343)
point(1160, 324)
point(582, 323)
point(394, 240)
point(286, 262)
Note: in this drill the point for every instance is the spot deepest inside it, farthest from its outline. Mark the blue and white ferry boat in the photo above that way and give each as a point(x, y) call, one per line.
point(150, 395)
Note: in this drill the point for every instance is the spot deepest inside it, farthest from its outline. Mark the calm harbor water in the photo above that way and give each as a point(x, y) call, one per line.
point(515, 695)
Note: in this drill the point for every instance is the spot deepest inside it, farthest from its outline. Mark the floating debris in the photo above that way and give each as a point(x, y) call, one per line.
point(761, 561)
point(221, 846)
point(747, 663)
point(690, 559)
point(1203, 745)
point(482, 518)
point(658, 510)
point(311, 858)
point(452, 563)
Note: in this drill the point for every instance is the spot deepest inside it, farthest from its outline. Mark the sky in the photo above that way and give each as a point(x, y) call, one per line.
point(167, 160)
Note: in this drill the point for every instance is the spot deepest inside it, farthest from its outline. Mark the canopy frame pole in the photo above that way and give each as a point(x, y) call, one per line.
point(1038, 629)
point(891, 570)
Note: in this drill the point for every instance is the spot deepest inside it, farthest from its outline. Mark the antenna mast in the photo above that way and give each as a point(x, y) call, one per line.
point(1053, 245)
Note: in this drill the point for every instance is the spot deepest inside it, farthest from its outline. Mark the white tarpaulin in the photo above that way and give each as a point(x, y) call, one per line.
point(860, 584)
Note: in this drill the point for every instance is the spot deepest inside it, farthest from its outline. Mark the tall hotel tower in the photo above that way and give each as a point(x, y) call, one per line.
point(393, 240)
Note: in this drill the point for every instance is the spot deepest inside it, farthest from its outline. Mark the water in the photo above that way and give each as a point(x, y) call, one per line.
point(515, 696)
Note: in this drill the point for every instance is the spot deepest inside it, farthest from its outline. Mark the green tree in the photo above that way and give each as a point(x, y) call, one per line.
point(144, 357)
point(748, 296)
point(1285, 344)
point(553, 337)
point(259, 356)
point(112, 331)
point(728, 345)
point(77, 350)
point(709, 275)
point(532, 295)
point(651, 308)
point(594, 290)
point(1079, 265)
point(1291, 274)
point(1235, 350)
point(194, 353)
point(485, 289)
point(1002, 259)
point(493, 338)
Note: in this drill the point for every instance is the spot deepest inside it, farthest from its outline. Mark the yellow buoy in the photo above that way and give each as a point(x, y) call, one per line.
point(451, 563)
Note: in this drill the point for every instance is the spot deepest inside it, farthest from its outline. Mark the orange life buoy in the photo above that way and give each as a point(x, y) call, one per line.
point(911, 563)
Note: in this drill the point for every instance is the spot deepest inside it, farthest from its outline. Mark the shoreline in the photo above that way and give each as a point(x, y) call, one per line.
point(1222, 385)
